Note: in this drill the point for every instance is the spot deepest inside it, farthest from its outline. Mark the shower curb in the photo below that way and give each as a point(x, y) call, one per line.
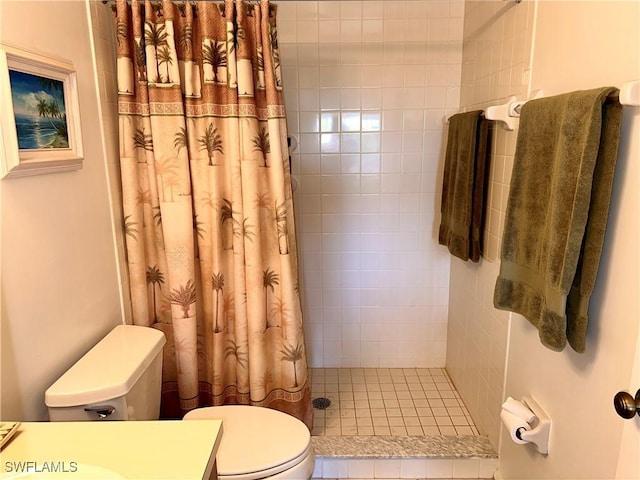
point(390, 446)
point(403, 457)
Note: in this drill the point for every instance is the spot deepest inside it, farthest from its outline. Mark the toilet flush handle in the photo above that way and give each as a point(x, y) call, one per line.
point(103, 411)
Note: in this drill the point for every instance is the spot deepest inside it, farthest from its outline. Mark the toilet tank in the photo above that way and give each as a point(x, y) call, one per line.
point(118, 379)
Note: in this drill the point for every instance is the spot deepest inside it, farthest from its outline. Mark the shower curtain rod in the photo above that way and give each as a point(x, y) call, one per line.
point(105, 2)
point(257, 1)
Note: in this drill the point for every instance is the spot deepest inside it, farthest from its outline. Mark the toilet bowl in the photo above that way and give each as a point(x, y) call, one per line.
point(120, 379)
point(259, 443)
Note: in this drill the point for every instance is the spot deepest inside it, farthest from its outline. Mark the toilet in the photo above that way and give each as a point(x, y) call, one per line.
point(259, 443)
point(120, 379)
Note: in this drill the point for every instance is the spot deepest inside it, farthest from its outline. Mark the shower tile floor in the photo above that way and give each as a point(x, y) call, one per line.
point(388, 401)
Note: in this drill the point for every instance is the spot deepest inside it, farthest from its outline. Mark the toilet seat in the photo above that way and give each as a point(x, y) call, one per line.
point(257, 442)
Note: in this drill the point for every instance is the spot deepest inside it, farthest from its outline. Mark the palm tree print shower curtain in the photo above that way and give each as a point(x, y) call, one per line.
point(208, 212)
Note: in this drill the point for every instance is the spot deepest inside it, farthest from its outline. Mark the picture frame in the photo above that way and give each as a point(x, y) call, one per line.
point(39, 114)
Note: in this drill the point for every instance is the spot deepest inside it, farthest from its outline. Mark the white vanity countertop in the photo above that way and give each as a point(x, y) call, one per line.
point(135, 450)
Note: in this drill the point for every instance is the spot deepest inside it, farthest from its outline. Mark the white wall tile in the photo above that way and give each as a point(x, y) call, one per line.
point(329, 31)
point(361, 468)
point(387, 468)
point(466, 468)
point(366, 90)
point(439, 468)
point(491, 71)
point(413, 468)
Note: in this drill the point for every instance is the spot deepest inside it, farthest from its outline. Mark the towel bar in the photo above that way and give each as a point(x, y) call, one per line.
point(508, 112)
point(630, 94)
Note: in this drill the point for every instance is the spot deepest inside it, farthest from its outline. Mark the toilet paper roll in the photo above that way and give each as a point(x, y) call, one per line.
point(518, 409)
point(513, 423)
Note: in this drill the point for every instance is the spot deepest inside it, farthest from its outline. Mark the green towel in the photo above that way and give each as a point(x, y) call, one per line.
point(463, 186)
point(557, 212)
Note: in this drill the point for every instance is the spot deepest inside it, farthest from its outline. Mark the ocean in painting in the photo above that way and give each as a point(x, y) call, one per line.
point(37, 132)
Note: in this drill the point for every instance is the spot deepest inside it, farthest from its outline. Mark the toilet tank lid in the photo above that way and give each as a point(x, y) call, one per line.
point(109, 370)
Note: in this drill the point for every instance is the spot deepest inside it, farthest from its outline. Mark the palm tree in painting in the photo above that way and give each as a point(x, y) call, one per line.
point(217, 284)
point(49, 109)
point(54, 112)
point(214, 54)
point(226, 217)
point(293, 354)
point(211, 142)
point(185, 296)
point(154, 277)
point(164, 57)
point(269, 279)
point(42, 107)
point(261, 144)
point(53, 109)
point(282, 228)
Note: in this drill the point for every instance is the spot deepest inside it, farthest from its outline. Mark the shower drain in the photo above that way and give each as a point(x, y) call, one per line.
point(321, 403)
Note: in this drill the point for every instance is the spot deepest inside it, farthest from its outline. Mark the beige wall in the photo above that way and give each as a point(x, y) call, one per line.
point(512, 50)
point(60, 286)
point(577, 389)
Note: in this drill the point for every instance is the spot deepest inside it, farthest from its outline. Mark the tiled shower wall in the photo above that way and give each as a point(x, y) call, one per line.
point(367, 85)
point(495, 65)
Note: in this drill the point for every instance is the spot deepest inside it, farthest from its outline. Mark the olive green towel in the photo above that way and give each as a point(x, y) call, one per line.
point(463, 192)
point(557, 211)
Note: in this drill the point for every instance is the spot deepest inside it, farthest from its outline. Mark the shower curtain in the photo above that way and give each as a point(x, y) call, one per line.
point(208, 212)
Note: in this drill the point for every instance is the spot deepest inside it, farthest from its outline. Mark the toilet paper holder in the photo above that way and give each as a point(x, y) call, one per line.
point(540, 427)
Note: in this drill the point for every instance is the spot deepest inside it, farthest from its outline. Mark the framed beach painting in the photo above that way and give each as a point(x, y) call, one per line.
point(39, 114)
